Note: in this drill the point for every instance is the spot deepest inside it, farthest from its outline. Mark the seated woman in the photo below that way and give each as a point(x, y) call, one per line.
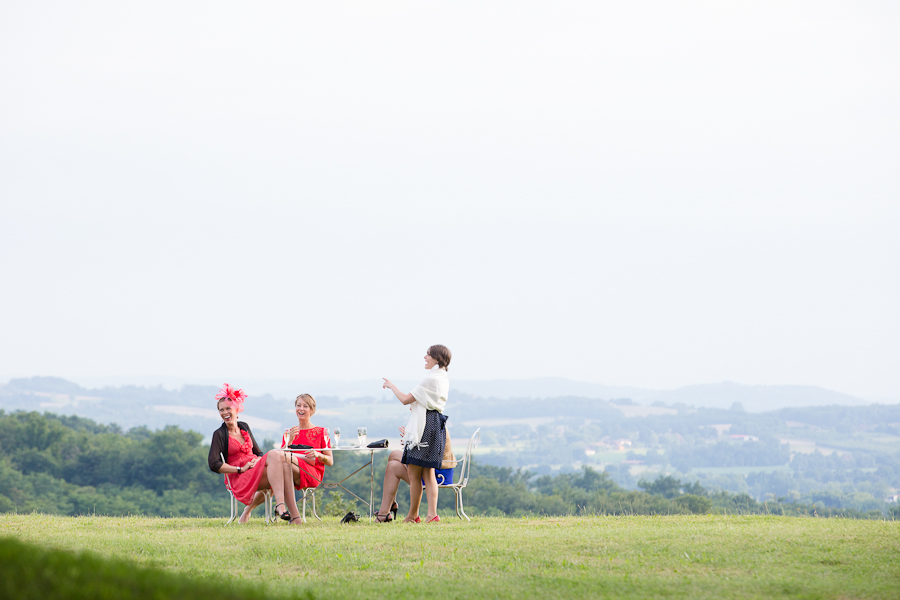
point(395, 472)
point(307, 467)
point(235, 453)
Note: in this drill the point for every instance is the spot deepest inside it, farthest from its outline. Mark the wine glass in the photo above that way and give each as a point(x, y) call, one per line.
point(361, 432)
point(337, 436)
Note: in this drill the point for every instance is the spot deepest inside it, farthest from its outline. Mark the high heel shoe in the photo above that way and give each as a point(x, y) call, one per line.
point(291, 521)
point(285, 516)
point(394, 509)
point(385, 518)
point(434, 519)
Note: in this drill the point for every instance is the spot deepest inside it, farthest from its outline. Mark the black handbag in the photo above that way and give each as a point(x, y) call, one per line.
point(378, 444)
point(350, 517)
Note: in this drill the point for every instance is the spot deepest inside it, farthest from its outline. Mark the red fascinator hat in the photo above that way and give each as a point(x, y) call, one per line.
point(232, 397)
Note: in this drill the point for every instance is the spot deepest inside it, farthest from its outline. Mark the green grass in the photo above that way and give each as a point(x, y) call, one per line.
point(571, 557)
point(28, 572)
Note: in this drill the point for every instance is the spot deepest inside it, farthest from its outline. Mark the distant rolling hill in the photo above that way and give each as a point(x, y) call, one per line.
point(754, 398)
point(56, 394)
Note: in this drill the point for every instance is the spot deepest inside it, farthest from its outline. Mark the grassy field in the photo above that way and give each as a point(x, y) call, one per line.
point(571, 557)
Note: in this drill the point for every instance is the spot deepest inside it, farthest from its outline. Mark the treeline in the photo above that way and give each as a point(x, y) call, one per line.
point(760, 453)
point(504, 491)
point(72, 466)
point(854, 464)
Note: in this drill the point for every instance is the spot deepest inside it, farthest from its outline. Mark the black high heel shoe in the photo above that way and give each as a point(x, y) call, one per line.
point(385, 518)
point(394, 509)
point(285, 516)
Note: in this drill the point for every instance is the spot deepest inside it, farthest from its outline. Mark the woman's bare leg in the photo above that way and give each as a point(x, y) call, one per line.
point(431, 491)
point(273, 477)
point(415, 491)
point(394, 473)
point(289, 489)
point(258, 498)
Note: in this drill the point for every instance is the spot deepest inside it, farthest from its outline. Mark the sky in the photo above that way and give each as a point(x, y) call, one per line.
point(652, 194)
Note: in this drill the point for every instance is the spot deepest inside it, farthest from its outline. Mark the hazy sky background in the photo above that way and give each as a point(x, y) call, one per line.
point(634, 193)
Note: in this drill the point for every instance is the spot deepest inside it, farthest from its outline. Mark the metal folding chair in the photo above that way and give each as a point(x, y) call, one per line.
point(311, 493)
point(463, 479)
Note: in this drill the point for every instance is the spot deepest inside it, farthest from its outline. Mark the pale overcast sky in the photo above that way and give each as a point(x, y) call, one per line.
point(634, 193)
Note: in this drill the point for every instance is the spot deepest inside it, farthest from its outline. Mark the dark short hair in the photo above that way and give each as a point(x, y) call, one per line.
point(441, 354)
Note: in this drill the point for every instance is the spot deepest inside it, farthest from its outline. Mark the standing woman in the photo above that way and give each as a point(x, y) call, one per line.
point(247, 469)
point(308, 467)
point(425, 433)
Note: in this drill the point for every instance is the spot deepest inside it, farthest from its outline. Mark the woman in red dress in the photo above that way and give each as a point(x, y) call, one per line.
point(308, 467)
point(246, 469)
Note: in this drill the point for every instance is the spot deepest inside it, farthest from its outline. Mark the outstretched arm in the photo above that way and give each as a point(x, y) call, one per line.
point(401, 396)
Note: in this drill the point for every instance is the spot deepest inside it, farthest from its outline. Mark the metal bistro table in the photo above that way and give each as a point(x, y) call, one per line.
point(326, 485)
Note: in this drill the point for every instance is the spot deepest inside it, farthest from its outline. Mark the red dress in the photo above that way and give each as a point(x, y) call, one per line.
point(244, 485)
point(317, 437)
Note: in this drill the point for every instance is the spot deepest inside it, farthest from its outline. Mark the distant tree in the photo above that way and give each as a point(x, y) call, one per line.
point(623, 402)
point(665, 486)
point(694, 504)
point(694, 489)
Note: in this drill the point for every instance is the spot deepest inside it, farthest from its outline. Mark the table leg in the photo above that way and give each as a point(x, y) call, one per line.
point(372, 485)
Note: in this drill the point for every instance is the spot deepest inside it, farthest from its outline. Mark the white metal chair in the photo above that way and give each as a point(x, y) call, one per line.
point(463, 479)
point(311, 492)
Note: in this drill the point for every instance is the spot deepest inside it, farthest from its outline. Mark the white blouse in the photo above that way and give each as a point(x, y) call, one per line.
point(430, 394)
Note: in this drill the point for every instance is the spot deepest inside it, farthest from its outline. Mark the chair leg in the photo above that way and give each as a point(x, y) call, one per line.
point(303, 520)
point(315, 514)
point(233, 504)
point(461, 507)
point(268, 507)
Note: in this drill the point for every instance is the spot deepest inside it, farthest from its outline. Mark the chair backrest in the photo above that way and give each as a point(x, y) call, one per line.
point(463, 480)
point(227, 481)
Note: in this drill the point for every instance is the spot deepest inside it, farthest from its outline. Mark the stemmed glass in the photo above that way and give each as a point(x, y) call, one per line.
point(337, 436)
point(361, 432)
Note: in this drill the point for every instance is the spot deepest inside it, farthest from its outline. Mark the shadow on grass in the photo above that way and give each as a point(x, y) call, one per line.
point(31, 573)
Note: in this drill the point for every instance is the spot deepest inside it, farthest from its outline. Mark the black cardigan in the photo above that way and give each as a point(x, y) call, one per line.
point(219, 446)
